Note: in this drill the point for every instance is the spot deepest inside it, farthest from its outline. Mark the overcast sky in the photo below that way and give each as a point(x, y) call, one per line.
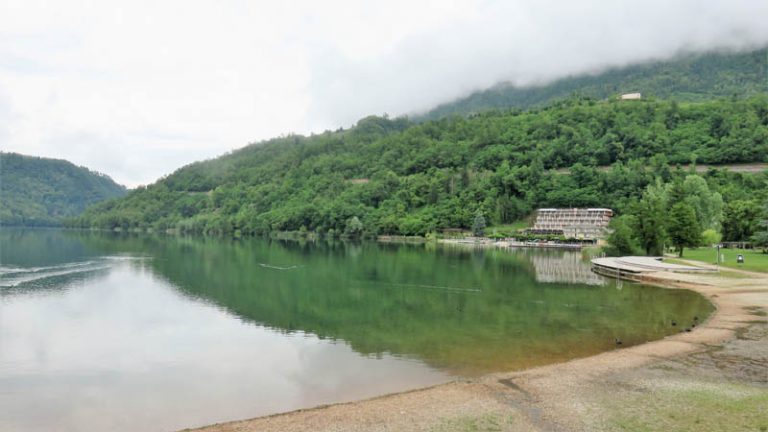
point(136, 89)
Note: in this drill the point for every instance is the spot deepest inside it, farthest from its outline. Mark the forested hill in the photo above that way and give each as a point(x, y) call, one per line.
point(391, 176)
point(688, 78)
point(42, 192)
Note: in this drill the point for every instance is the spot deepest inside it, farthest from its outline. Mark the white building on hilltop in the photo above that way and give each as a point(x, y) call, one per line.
point(631, 96)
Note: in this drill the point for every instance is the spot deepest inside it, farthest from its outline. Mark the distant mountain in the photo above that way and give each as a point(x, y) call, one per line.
point(38, 191)
point(687, 78)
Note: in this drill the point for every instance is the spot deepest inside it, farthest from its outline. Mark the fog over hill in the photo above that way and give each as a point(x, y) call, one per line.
point(685, 78)
point(139, 89)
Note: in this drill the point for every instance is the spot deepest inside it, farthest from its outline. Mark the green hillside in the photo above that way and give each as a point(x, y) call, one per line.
point(42, 192)
point(398, 177)
point(689, 78)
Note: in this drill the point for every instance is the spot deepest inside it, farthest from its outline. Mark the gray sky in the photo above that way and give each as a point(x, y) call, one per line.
point(136, 89)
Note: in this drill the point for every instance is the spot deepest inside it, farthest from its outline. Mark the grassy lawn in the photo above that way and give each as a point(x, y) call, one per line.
point(730, 274)
point(754, 260)
point(727, 408)
point(482, 423)
point(511, 228)
point(514, 226)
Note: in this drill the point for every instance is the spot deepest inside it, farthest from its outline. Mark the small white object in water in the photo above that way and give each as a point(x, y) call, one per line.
point(278, 267)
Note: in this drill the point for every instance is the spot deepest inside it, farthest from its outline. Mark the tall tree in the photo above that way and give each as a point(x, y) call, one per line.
point(683, 227)
point(478, 225)
point(354, 227)
point(651, 216)
point(622, 240)
point(740, 218)
point(760, 238)
point(707, 204)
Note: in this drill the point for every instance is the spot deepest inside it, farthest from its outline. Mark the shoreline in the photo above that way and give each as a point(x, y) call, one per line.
point(485, 242)
point(545, 398)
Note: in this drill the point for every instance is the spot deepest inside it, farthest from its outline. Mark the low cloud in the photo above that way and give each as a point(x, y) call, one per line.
point(526, 42)
point(138, 89)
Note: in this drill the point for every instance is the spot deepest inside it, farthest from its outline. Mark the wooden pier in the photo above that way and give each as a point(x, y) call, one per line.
point(635, 267)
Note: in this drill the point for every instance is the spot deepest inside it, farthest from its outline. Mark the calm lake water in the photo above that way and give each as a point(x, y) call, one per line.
point(121, 332)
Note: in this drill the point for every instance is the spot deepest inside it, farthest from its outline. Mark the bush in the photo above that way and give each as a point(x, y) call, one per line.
point(622, 240)
point(711, 237)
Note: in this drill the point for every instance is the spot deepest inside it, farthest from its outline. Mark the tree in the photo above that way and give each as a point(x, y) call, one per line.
point(710, 237)
point(660, 165)
point(650, 213)
point(354, 227)
point(683, 228)
point(478, 225)
point(707, 204)
point(740, 218)
point(622, 240)
point(760, 238)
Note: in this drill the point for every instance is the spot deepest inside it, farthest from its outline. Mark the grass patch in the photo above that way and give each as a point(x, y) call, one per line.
point(729, 274)
point(483, 423)
point(514, 226)
point(721, 407)
point(589, 252)
point(509, 230)
point(754, 260)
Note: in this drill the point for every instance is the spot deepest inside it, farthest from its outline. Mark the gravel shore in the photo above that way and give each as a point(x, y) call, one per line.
point(713, 378)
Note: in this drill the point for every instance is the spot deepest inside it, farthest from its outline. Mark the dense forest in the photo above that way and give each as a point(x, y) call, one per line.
point(42, 192)
point(392, 176)
point(687, 78)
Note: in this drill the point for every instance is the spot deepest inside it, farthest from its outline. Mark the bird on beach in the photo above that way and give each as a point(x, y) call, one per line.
point(674, 323)
point(618, 341)
point(688, 329)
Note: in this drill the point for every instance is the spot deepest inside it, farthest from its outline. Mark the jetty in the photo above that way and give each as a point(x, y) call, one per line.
point(635, 267)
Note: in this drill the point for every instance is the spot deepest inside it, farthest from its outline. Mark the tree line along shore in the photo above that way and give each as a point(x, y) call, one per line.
point(396, 177)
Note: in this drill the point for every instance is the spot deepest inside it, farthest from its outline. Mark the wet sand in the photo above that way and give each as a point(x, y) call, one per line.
point(724, 357)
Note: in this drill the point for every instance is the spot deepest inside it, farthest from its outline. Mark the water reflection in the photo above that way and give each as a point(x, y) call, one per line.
point(567, 267)
point(127, 351)
point(159, 333)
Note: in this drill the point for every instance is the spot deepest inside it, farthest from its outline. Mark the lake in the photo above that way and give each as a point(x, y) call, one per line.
point(119, 332)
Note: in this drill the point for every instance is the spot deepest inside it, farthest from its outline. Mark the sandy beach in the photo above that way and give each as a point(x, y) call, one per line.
point(714, 377)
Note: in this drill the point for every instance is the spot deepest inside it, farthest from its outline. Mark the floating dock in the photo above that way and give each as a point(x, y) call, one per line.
point(633, 267)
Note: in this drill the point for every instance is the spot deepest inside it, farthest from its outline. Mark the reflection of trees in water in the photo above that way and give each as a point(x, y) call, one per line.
point(568, 267)
point(36, 247)
point(465, 311)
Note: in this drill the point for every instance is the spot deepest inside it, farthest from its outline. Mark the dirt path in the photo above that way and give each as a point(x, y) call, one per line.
point(713, 378)
point(751, 168)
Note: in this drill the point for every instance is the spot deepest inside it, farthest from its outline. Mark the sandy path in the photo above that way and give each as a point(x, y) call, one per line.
point(572, 396)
